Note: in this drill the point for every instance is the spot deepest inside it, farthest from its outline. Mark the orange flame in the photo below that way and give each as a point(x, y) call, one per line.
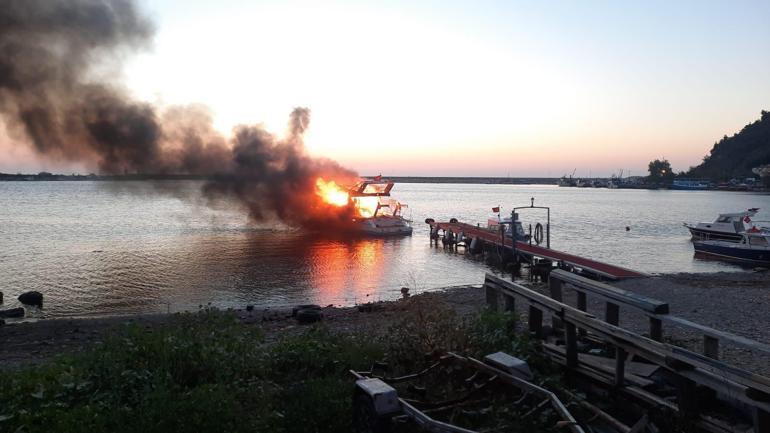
point(366, 206)
point(335, 195)
point(331, 193)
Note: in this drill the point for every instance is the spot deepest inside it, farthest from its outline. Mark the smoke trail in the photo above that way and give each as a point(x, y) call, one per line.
point(52, 98)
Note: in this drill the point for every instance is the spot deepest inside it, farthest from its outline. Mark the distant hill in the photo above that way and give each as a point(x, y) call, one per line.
point(734, 157)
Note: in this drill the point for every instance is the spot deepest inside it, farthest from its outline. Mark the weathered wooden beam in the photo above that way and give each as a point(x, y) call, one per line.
point(687, 398)
point(656, 329)
point(711, 346)
point(611, 293)
point(554, 286)
point(536, 321)
point(555, 289)
point(544, 302)
point(510, 302)
point(582, 305)
point(620, 367)
point(761, 420)
point(491, 294)
point(716, 333)
point(707, 371)
point(612, 314)
point(570, 335)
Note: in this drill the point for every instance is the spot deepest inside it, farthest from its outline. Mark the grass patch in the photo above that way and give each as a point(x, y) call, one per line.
point(206, 372)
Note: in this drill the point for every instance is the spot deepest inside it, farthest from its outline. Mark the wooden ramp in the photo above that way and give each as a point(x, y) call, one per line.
point(604, 270)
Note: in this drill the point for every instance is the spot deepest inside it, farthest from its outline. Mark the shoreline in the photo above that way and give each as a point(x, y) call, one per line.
point(735, 302)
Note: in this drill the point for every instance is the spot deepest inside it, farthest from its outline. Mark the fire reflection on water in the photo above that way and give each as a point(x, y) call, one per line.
point(350, 271)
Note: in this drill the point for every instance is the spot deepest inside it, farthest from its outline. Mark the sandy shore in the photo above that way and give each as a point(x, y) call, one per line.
point(733, 302)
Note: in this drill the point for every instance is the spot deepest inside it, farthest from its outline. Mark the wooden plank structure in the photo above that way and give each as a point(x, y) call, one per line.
point(692, 371)
point(530, 251)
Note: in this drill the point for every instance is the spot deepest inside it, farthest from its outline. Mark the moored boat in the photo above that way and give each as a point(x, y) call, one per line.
point(752, 249)
point(379, 215)
point(690, 184)
point(727, 226)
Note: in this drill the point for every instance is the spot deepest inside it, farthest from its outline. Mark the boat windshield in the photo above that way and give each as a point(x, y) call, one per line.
point(375, 188)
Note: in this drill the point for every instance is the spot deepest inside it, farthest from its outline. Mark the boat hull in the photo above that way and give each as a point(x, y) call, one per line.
point(734, 253)
point(703, 234)
point(384, 226)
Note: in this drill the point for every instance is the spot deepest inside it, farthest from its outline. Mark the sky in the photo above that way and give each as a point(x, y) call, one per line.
point(461, 88)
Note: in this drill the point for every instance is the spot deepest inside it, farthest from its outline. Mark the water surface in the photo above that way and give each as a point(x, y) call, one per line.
point(97, 248)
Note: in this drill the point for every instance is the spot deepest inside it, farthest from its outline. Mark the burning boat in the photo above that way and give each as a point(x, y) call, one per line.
point(374, 212)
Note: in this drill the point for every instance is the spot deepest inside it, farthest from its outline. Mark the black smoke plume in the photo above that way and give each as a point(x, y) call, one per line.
point(52, 55)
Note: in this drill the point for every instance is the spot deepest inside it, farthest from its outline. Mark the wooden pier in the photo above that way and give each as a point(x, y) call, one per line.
point(660, 378)
point(464, 232)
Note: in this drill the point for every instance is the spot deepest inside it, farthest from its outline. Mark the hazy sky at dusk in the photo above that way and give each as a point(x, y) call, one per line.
point(466, 88)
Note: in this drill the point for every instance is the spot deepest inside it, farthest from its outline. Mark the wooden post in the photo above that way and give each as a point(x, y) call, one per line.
point(536, 321)
point(582, 305)
point(510, 303)
point(571, 336)
point(761, 420)
point(711, 346)
point(687, 398)
point(612, 314)
point(555, 287)
point(620, 366)
point(491, 295)
point(656, 329)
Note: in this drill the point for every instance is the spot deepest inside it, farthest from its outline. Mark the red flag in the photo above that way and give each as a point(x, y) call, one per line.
point(747, 219)
point(496, 209)
point(378, 177)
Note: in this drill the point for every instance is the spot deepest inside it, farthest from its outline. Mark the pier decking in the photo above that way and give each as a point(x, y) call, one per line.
point(604, 270)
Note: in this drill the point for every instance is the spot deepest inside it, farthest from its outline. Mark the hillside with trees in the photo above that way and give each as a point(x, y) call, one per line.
point(734, 157)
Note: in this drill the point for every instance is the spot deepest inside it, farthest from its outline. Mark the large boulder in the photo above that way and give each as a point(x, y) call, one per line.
point(31, 298)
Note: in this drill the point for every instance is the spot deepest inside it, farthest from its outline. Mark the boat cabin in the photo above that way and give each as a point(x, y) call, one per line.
point(493, 224)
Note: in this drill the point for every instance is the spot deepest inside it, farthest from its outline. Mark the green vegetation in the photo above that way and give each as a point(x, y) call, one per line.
point(734, 157)
point(660, 172)
point(206, 372)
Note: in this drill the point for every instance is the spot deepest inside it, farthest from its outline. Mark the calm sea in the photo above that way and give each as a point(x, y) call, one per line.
point(96, 248)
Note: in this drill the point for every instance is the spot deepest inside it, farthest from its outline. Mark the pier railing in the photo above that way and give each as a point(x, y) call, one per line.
point(689, 369)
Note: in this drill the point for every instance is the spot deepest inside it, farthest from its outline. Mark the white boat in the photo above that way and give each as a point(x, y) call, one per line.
point(727, 226)
point(378, 214)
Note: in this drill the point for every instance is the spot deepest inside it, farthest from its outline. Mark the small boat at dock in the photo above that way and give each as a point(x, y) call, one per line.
point(727, 226)
point(752, 249)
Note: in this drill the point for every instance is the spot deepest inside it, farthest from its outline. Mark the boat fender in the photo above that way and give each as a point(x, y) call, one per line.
point(453, 220)
point(538, 233)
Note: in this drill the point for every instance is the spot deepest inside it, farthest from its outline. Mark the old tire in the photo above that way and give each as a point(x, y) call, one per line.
point(309, 316)
point(12, 313)
point(429, 220)
point(304, 307)
point(453, 220)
